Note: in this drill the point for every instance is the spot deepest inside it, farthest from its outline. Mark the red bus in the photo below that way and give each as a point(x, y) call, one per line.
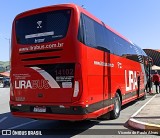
point(68, 65)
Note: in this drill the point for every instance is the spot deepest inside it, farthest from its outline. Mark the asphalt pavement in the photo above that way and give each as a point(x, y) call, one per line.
point(145, 115)
point(147, 118)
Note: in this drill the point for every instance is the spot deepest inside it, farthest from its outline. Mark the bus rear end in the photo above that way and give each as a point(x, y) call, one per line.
point(46, 80)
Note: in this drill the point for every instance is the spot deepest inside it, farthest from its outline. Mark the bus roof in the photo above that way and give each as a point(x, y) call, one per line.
point(101, 22)
point(75, 7)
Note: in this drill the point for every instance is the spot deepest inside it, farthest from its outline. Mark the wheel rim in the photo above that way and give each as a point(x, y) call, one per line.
point(117, 108)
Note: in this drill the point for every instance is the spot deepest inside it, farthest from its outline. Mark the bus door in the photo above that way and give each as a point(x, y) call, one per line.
point(138, 82)
point(106, 80)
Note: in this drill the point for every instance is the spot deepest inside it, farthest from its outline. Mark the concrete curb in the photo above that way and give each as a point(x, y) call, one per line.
point(142, 125)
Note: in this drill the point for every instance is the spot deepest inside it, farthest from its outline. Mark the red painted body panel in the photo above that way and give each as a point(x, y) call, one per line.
point(99, 75)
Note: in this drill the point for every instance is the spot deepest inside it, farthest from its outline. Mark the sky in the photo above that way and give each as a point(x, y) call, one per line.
point(137, 20)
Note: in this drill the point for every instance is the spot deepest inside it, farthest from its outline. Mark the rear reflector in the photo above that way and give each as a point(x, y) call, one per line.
point(76, 89)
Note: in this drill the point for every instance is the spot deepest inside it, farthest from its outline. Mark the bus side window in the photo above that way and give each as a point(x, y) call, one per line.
point(81, 30)
point(93, 34)
point(89, 31)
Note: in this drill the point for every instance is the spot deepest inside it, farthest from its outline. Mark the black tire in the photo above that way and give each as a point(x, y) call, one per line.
point(117, 107)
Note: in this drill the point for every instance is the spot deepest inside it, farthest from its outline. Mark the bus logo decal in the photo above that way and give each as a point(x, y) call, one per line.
point(131, 80)
point(31, 84)
point(51, 81)
point(39, 24)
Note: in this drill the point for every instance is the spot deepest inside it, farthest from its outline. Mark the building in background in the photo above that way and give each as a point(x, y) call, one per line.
point(155, 55)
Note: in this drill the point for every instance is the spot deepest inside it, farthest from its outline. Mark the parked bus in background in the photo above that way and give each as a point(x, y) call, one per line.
point(68, 65)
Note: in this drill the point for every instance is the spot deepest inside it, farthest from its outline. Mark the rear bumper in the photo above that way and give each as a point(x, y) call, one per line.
point(52, 112)
point(50, 116)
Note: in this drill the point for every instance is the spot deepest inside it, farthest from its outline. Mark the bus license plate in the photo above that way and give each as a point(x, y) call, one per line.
point(39, 109)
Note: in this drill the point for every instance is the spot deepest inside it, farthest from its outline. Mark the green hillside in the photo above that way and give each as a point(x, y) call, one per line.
point(3, 65)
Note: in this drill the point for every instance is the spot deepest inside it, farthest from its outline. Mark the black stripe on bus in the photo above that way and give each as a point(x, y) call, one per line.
point(40, 51)
point(131, 94)
point(108, 102)
point(99, 105)
point(40, 58)
point(73, 110)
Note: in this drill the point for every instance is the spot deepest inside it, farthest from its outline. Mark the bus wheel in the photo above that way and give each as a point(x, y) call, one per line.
point(117, 107)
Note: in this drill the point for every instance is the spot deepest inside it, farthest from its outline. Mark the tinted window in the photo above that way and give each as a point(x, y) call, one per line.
point(43, 27)
point(93, 34)
point(99, 34)
point(88, 26)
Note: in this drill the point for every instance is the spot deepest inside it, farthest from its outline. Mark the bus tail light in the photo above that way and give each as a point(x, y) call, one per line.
point(76, 89)
point(77, 83)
